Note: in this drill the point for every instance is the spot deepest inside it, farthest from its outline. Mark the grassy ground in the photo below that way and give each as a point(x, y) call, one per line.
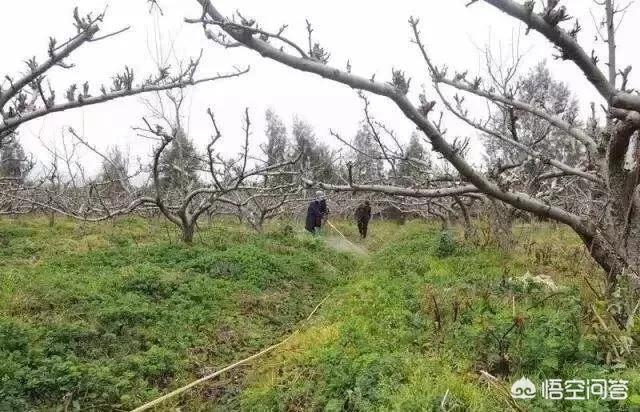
point(420, 320)
point(109, 316)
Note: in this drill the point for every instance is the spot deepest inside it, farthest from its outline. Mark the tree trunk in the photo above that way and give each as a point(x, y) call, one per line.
point(618, 256)
point(603, 254)
point(469, 230)
point(188, 231)
point(501, 224)
point(444, 222)
point(615, 244)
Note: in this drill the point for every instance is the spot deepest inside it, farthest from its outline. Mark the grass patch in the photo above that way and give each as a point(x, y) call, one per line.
point(109, 316)
point(106, 317)
point(416, 325)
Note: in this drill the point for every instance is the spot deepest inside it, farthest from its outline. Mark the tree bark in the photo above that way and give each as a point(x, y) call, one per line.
point(501, 224)
point(188, 231)
point(469, 230)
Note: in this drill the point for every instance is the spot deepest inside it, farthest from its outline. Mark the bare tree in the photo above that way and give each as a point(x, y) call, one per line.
point(613, 238)
point(66, 188)
point(225, 177)
point(256, 207)
point(30, 95)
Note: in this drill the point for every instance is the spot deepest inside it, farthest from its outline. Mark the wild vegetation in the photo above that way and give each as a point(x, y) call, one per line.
point(109, 316)
point(120, 284)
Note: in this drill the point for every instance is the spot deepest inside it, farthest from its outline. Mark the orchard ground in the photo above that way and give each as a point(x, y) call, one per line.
point(109, 316)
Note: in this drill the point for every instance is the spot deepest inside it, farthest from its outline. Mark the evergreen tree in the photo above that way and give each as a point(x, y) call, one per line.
point(367, 166)
point(179, 164)
point(277, 144)
point(316, 157)
point(13, 161)
point(414, 150)
point(539, 89)
point(115, 170)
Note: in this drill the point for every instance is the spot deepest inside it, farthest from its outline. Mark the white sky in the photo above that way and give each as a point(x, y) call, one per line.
point(374, 36)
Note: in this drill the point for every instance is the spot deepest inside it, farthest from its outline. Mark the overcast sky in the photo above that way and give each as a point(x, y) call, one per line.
point(374, 36)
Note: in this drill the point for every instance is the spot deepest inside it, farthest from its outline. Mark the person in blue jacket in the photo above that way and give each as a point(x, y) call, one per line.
point(316, 213)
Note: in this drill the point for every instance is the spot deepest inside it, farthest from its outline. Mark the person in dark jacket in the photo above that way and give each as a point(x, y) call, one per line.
point(363, 215)
point(324, 210)
point(316, 213)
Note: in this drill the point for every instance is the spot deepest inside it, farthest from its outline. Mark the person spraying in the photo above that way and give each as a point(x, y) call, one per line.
point(317, 213)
